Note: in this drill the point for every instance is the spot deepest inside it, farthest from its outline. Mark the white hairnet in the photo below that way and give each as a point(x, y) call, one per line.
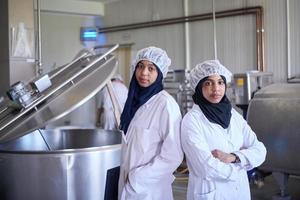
point(155, 55)
point(208, 68)
point(118, 76)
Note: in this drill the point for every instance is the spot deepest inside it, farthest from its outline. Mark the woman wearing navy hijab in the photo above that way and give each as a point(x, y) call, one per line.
point(151, 118)
point(218, 143)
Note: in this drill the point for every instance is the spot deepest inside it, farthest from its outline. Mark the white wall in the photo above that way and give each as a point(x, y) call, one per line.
point(61, 37)
point(235, 35)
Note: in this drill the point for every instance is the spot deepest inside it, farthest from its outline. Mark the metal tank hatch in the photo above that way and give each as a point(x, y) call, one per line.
point(49, 97)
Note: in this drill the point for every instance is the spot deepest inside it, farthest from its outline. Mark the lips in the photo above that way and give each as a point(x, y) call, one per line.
point(215, 96)
point(143, 80)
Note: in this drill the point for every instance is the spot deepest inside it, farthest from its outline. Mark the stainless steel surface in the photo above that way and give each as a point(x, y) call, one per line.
point(42, 83)
point(61, 165)
point(246, 84)
point(71, 87)
point(66, 164)
point(177, 84)
point(274, 115)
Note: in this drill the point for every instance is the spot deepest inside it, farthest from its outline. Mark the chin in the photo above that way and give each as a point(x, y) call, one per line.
point(215, 101)
point(144, 85)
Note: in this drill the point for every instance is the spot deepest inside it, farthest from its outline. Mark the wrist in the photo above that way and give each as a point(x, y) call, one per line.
point(237, 159)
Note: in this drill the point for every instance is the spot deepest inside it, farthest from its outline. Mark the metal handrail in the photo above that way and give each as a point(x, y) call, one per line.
point(68, 65)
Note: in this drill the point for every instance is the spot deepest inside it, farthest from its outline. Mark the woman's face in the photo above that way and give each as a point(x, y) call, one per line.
point(146, 73)
point(213, 89)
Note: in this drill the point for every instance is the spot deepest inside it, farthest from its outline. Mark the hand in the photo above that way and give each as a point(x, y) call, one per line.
point(223, 157)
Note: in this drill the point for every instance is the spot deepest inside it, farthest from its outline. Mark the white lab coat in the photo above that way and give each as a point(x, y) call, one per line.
point(209, 178)
point(107, 119)
point(152, 150)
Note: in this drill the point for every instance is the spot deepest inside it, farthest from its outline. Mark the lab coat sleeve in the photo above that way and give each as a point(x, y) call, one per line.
point(199, 156)
point(253, 152)
point(160, 169)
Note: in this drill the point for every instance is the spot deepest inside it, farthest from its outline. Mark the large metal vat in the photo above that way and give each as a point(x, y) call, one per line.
point(61, 164)
point(66, 164)
point(274, 115)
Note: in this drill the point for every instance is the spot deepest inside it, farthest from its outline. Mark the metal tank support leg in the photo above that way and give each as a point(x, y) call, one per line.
point(282, 181)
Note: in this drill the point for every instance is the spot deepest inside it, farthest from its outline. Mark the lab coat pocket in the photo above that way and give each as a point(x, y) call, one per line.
point(148, 139)
point(129, 194)
point(207, 196)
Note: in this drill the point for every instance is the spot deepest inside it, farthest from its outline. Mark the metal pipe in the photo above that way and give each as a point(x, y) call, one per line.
point(288, 40)
point(258, 51)
point(259, 40)
point(214, 28)
point(192, 18)
point(187, 36)
point(39, 69)
point(262, 42)
point(257, 11)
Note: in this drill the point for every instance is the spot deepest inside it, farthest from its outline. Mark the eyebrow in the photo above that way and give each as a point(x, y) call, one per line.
point(209, 79)
point(146, 64)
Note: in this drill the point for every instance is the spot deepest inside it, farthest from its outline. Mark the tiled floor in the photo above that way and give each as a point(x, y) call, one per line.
point(266, 192)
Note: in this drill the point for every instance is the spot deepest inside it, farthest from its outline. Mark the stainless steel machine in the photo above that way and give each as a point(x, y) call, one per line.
point(177, 84)
point(274, 115)
point(246, 84)
point(61, 163)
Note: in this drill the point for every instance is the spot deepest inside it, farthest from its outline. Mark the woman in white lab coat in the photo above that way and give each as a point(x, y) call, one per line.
point(151, 149)
point(105, 110)
point(219, 144)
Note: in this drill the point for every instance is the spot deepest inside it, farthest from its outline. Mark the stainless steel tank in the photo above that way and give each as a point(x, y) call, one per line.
point(274, 115)
point(61, 164)
point(66, 164)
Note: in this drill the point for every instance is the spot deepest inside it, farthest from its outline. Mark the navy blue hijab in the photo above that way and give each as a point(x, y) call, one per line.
point(137, 96)
point(219, 113)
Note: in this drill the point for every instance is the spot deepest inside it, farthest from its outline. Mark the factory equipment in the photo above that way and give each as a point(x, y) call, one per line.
point(274, 115)
point(60, 163)
point(177, 84)
point(246, 84)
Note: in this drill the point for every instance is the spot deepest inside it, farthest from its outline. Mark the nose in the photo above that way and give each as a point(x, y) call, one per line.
point(215, 86)
point(144, 71)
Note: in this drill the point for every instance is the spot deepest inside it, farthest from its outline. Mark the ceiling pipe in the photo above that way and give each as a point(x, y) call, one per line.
point(215, 31)
point(262, 43)
point(288, 40)
point(39, 69)
point(257, 11)
point(187, 39)
point(260, 40)
point(192, 18)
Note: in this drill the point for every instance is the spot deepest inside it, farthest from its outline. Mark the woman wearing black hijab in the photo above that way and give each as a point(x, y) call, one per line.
point(218, 143)
point(150, 122)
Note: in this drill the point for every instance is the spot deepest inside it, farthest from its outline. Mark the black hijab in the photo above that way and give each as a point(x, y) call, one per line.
point(137, 96)
point(219, 113)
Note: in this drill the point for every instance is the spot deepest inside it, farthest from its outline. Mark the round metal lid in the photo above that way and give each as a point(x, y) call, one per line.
point(72, 85)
